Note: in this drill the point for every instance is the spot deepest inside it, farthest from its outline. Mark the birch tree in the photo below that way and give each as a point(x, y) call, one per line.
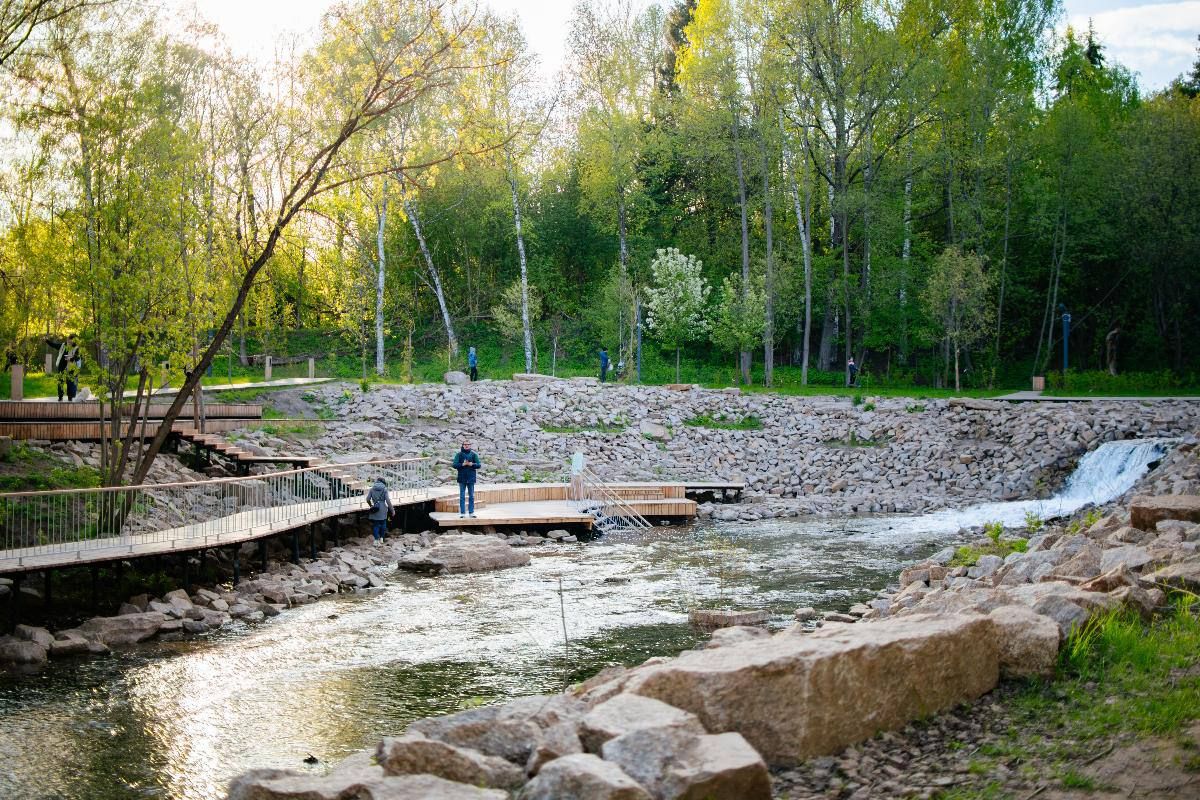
point(677, 301)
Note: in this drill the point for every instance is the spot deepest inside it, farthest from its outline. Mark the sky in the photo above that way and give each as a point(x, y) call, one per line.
point(1155, 40)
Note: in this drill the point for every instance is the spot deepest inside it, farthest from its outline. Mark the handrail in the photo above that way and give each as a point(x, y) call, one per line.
point(122, 518)
point(215, 481)
point(626, 516)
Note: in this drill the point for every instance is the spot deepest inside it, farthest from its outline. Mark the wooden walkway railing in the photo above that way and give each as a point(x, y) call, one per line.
point(40, 530)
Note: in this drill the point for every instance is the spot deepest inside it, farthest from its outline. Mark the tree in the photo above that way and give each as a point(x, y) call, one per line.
point(676, 303)
point(958, 297)
point(737, 321)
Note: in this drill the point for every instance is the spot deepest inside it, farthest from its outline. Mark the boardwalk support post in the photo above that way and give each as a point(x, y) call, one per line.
point(295, 546)
point(237, 566)
point(48, 583)
point(14, 605)
point(94, 569)
point(262, 553)
point(312, 541)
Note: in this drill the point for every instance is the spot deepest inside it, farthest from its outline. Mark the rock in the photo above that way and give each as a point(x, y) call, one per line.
point(1067, 615)
point(1028, 642)
point(1109, 581)
point(532, 377)
point(508, 730)
point(1131, 557)
point(790, 696)
point(805, 613)
point(72, 643)
point(21, 651)
point(32, 634)
point(582, 776)
point(414, 754)
point(455, 553)
point(675, 764)
point(631, 712)
point(556, 741)
point(653, 430)
point(723, 637)
point(974, 404)
point(1145, 512)
point(1184, 575)
point(708, 619)
point(1137, 599)
point(837, 616)
point(985, 566)
point(352, 783)
point(125, 629)
point(456, 378)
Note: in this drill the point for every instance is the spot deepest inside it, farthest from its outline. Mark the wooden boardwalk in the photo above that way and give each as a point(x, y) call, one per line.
point(522, 504)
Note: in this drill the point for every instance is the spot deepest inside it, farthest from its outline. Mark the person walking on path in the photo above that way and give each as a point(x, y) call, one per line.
point(67, 364)
point(380, 504)
point(603, 364)
point(473, 363)
point(467, 462)
point(852, 371)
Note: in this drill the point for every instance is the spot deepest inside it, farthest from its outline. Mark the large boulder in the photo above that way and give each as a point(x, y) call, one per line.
point(21, 651)
point(510, 730)
point(1130, 556)
point(582, 776)
point(125, 629)
point(711, 619)
point(675, 764)
point(456, 378)
point(1146, 512)
point(455, 553)
point(1028, 642)
point(794, 697)
point(352, 783)
point(1184, 575)
point(414, 754)
point(631, 712)
point(31, 634)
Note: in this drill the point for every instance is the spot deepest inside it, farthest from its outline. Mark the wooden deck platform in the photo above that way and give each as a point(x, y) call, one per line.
point(53, 421)
point(517, 504)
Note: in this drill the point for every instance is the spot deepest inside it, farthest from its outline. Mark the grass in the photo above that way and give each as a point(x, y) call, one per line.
point(307, 430)
point(596, 428)
point(747, 423)
point(1116, 676)
point(968, 555)
point(24, 469)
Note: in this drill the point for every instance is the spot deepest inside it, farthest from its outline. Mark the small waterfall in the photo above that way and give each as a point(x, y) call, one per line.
point(1102, 475)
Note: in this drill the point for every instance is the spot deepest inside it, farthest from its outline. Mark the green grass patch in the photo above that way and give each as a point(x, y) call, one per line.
point(24, 469)
point(300, 430)
point(969, 554)
point(722, 422)
point(597, 428)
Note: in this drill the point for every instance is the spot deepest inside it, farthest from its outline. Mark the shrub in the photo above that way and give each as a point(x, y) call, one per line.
point(1033, 523)
point(1101, 382)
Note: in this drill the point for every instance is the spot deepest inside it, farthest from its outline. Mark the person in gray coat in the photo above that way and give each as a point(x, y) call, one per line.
point(380, 504)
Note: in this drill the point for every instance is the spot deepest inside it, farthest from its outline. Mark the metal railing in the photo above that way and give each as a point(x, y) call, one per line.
point(34, 525)
point(610, 512)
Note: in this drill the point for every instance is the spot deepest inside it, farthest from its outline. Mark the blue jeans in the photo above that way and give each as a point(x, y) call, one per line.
point(465, 489)
point(379, 528)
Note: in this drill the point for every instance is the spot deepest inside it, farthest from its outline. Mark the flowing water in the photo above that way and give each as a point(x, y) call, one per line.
point(177, 720)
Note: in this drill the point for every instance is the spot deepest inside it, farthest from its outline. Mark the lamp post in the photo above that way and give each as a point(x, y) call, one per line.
point(1066, 334)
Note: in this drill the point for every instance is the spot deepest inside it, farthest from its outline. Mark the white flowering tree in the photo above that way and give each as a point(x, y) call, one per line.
point(675, 304)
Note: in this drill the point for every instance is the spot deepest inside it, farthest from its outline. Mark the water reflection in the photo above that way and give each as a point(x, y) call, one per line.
point(177, 720)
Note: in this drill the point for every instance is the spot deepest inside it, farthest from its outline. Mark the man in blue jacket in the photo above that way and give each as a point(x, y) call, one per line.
point(467, 462)
point(603, 364)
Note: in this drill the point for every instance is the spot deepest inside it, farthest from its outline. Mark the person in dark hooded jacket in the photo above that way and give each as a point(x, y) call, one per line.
point(380, 504)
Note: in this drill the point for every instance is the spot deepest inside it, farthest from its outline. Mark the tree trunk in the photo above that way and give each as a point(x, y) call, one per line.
point(906, 255)
point(381, 211)
point(769, 283)
point(528, 333)
point(623, 243)
point(677, 365)
point(745, 356)
point(803, 219)
point(411, 209)
point(1004, 252)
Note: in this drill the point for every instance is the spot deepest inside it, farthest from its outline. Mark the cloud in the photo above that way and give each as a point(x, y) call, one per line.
point(1158, 42)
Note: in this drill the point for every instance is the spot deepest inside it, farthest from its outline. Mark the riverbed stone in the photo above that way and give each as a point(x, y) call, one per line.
point(125, 629)
point(631, 712)
point(1028, 642)
point(557, 740)
point(676, 764)
point(582, 776)
point(456, 378)
point(723, 637)
point(508, 730)
point(415, 754)
point(1183, 575)
point(788, 696)
point(33, 634)
point(355, 783)
point(1130, 556)
point(1145, 512)
point(21, 651)
point(711, 619)
point(464, 553)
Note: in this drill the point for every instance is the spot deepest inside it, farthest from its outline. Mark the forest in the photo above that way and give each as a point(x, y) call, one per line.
point(719, 190)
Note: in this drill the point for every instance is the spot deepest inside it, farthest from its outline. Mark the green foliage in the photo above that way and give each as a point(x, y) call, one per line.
point(868, 407)
point(1033, 522)
point(967, 555)
point(1097, 382)
point(598, 427)
point(364, 384)
point(857, 399)
point(914, 408)
point(993, 530)
point(721, 422)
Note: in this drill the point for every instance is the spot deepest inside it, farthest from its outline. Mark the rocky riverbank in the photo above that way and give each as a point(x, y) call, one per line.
point(709, 722)
point(358, 566)
point(798, 455)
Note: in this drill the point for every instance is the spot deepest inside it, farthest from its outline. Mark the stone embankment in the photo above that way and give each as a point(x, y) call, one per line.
point(821, 455)
point(359, 566)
